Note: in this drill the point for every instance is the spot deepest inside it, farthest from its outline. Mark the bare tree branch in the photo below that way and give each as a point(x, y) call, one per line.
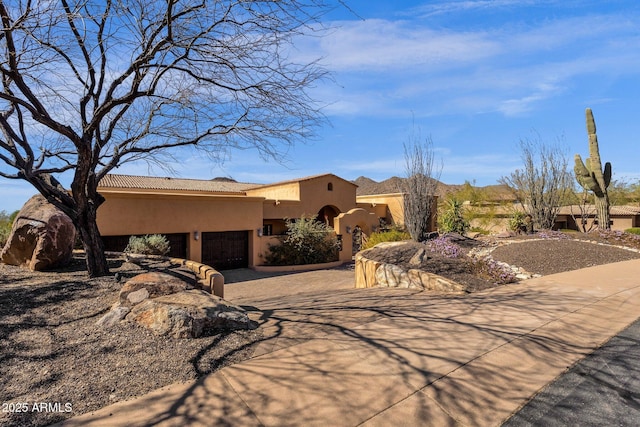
point(543, 184)
point(419, 187)
point(88, 85)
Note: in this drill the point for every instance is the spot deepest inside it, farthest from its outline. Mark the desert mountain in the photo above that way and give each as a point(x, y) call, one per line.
point(367, 186)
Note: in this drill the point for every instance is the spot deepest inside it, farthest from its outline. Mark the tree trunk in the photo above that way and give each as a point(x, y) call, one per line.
point(602, 209)
point(92, 243)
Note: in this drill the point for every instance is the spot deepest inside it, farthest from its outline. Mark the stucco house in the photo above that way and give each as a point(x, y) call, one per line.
point(227, 224)
point(621, 217)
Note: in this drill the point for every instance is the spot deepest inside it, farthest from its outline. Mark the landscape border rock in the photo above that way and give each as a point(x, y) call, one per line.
point(167, 305)
point(370, 273)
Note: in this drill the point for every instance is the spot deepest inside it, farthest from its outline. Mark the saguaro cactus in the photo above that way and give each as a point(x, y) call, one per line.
point(592, 177)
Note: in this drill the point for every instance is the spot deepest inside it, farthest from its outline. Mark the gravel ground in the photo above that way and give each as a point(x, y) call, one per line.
point(555, 256)
point(51, 350)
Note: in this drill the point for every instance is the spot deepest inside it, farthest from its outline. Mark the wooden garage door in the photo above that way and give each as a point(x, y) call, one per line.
point(226, 250)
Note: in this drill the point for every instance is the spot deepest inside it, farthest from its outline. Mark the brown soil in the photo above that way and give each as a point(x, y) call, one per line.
point(51, 350)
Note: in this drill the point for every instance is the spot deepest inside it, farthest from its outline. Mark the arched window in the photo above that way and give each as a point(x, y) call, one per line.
point(330, 186)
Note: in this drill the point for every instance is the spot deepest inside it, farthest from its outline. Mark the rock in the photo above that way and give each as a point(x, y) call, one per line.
point(150, 285)
point(42, 237)
point(115, 315)
point(392, 276)
point(505, 235)
point(419, 257)
point(189, 314)
point(429, 281)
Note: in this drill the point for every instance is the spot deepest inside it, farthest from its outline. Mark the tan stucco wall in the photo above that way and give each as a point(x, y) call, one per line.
point(393, 207)
point(147, 213)
point(315, 194)
point(387, 206)
point(346, 222)
point(618, 223)
point(285, 191)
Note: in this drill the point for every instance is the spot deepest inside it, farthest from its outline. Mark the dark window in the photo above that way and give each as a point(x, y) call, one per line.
point(330, 186)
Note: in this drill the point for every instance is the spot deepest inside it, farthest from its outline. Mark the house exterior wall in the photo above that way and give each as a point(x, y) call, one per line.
point(284, 191)
point(387, 206)
point(391, 208)
point(138, 213)
point(316, 194)
point(618, 223)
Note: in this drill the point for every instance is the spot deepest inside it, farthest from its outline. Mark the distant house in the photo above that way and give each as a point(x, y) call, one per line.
point(227, 224)
point(622, 217)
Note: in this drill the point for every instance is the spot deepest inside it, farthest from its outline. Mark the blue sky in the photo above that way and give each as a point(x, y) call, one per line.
point(476, 76)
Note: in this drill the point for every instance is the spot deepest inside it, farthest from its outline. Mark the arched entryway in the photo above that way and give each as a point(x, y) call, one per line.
point(327, 214)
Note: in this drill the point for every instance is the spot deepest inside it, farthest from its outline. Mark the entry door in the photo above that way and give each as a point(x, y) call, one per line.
point(225, 250)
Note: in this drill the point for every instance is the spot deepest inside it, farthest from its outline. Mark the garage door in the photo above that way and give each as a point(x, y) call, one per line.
point(226, 250)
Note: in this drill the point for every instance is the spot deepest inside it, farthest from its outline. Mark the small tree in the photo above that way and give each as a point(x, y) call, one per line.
point(582, 210)
point(543, 184)
point(419, 187)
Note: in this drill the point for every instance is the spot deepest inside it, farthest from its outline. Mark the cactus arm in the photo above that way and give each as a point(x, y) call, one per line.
point(607, 174)
point(584, 177)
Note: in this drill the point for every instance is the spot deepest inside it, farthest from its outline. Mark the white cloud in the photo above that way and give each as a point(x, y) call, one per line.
point(377, 44)
point(385, 68)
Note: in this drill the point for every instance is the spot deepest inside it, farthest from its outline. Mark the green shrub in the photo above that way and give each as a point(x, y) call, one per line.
point(633, 230)
point(306, 241)
point(6, 222)
point(151, 244)
point(451, 217)
point(394, 235)
point(4, 235)
point(516, 222)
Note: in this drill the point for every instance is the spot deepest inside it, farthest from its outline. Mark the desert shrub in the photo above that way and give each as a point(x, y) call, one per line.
point(6, 222)
point(516, 222)
point(633, 230)
point(552, 234)
point(151, 244)
point(619, 238)
point(306, 241)
point(4, 235)
point(451, 217)
point(445, 247)
point(393, 235)
point(492, 270)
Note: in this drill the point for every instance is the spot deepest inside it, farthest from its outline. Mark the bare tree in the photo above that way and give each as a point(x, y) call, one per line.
point(543, 184)
point(88, 85)
point(582, 211)
point(419, 187)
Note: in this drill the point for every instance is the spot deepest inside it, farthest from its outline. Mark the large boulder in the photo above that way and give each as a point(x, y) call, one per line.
point(150, 285)
point(169, 306)
point(189, 314)
point(42, 237)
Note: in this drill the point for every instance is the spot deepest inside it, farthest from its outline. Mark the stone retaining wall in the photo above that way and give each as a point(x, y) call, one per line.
point(370, 273)
point(210, 278)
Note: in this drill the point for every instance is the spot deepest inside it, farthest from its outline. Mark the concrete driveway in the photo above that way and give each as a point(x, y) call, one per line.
point(335, 355)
